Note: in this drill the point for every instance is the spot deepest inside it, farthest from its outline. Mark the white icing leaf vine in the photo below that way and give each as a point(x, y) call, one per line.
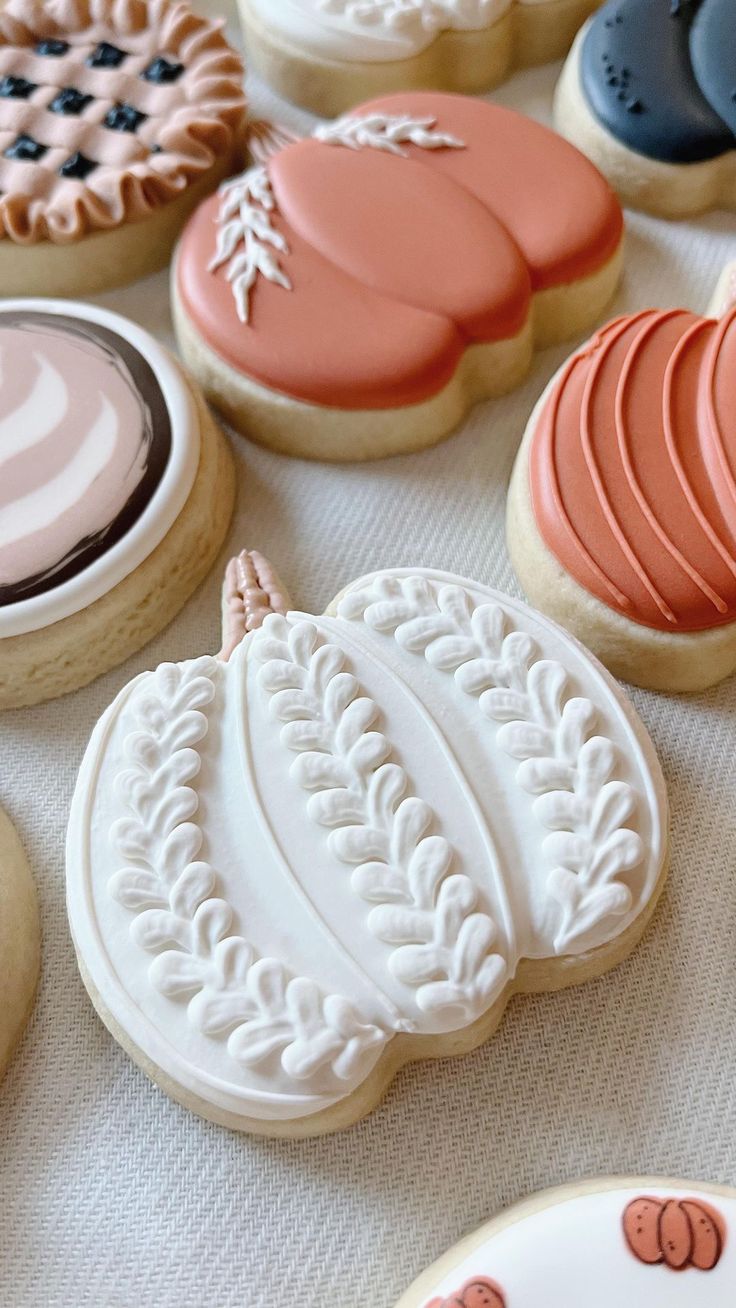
point(569, 769)
point(445, 946)
point(386, 132)
point(255, 1003)
point(247, 240)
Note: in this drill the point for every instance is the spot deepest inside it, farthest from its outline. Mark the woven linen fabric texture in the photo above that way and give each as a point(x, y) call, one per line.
point(111, 1196)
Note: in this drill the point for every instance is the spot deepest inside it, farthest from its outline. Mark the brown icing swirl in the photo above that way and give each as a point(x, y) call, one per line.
point(177, 126)
point(85, 438)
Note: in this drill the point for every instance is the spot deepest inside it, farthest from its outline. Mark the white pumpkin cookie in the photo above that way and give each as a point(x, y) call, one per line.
point(116, 490)
point(116, 118)
point(326, 54)
point(20, 945)
point(643, 1242)
point(347, 844)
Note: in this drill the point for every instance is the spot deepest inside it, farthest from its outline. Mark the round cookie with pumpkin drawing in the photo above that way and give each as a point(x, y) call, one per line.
point(646, 1243)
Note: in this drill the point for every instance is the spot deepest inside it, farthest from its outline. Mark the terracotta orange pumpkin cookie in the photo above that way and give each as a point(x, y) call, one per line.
point(328, 54)
point(285, 878)
point(321, 334)
point(646, 1244)
point(622, 505)
point(116, 118)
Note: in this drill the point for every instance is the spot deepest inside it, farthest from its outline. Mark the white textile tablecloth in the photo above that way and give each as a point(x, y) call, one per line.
point(111, 1195)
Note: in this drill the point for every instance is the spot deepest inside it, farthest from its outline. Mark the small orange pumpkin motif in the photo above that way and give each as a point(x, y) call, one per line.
point(477, 1293)
point(677, 1232)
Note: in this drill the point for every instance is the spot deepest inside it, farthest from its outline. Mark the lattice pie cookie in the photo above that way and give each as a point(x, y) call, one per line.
point(326, 335)
point(599, 1244)
point(116, 118)
point(347, 841)
point(116, 489)
point(19, 940)
point(326, 54)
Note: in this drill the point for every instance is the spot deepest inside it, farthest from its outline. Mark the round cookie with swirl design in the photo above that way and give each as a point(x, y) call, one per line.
point(116, 489)
point(116, 118)
point(622, 504)
point(322, 335)
point(20, 946)
point(346, 842)
point(328, 54)
point(649, 94)
point(648, 1243)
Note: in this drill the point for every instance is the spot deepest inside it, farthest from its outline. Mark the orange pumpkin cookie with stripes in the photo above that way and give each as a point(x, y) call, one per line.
point(622, 506)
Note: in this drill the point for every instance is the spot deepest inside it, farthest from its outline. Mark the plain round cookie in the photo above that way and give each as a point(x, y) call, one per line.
point(20, 940)
point(468, 62)
point(648, 1242)
point(54, 660)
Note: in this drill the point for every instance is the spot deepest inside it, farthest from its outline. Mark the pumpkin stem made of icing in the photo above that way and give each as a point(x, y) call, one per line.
point(252, 589)
point(264, 139)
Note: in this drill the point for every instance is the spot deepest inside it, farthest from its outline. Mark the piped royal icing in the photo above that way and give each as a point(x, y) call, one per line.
point(286, 281)
point(633, 469)
point(660, 75)
point(353, 829)
point(661, 1245)
point(108, 109)
point(376, 31)
point(99, 446)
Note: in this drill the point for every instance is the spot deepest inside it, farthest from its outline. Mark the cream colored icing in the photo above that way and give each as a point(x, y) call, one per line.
point(565, 1250)
point(375, 31)
point(188, 122)
point(72, 450)
point(400, 838)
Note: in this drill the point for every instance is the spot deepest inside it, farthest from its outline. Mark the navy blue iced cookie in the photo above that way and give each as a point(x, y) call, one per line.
point(660, 76)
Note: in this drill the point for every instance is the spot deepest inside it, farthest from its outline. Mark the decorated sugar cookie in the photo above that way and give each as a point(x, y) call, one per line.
point(643, 1243)
point(322, 334)
point(327, 54)
point(345, 842)
point(116, 489)
point(622, 505)
point(116, 118)
point(648, 94)
point(19, 940)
